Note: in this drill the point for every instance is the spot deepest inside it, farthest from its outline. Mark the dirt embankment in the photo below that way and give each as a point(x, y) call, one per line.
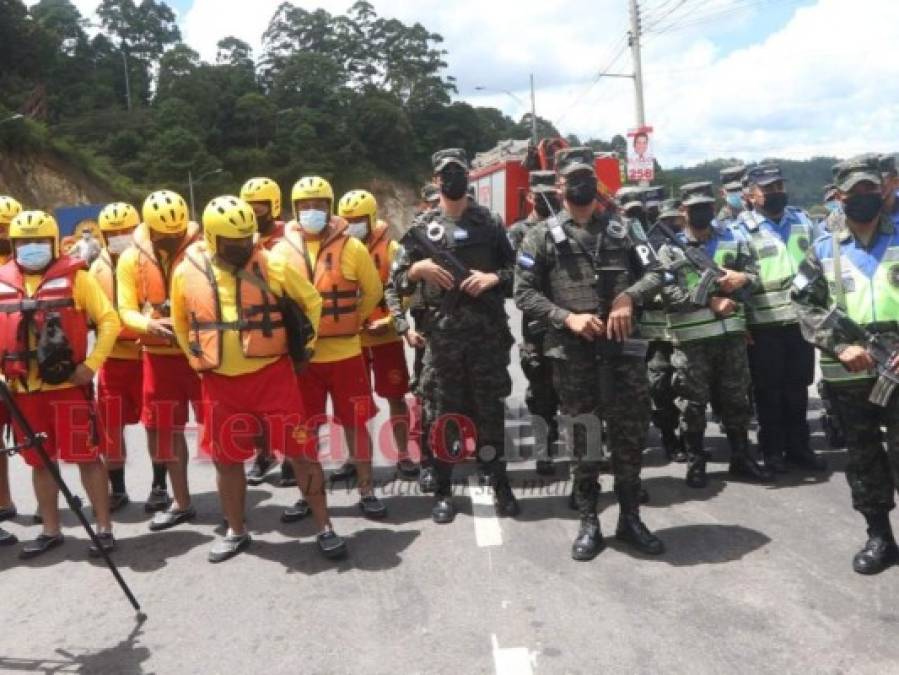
point(42, 181)
point(396, 204)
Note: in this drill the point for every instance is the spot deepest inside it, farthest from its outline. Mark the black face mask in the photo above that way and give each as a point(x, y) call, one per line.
point(863, 208)
point(5, 247)
point(266, 224)
point(775, 202)
point(701, 215)
point(453, 184)
point(236, 255)
point(652, 214)
point(546, 204)
point(581, 191)
point(169, 243)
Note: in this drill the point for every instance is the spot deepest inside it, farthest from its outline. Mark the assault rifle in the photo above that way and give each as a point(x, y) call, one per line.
point(447, 260)
point(882, 354)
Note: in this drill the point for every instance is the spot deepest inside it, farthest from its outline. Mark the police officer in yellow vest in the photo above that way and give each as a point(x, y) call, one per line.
point(781, 362)
point(863, 281)
point(710, 340)
point(9, 209)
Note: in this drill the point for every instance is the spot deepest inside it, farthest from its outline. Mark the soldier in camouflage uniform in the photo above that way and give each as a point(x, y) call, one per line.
point(466, 361)
point(652, 197)
point(541, 398)
point(710, 341)
point(630, 199)
point(862, 283)
point(654, 327)
point(585, 276)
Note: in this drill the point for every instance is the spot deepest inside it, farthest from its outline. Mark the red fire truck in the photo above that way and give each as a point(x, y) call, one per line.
point(500, 175)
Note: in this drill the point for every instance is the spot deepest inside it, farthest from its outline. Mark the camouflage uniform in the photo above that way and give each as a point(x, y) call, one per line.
point(872, 470)
point(466, 360)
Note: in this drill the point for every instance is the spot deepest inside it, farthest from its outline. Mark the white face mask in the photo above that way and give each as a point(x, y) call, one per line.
point(116, 243)
point(313, 221)
point(34, 257)
point(358, 230)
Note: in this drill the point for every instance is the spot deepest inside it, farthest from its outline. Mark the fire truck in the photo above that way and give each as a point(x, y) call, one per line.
point(500, 175)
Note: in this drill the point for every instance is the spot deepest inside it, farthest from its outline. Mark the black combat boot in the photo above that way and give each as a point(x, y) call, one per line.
point(696, 460)
point(880, 551)
point(771, 445)
point(799, 452)
point(630, 528)
point(741, 464)
point(673, 446)
point(588, 542)
point(504, 500)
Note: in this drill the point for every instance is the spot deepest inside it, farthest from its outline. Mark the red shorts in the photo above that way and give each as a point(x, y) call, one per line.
point(387, 363)
point(119, 401)
point(240, 409)
point(347, 382)
point(170, 386)
point(65, 416)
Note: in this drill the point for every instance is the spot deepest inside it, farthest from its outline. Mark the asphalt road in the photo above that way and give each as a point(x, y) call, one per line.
point(756, 580)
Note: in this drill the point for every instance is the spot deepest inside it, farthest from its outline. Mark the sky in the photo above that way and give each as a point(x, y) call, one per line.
point(722, 78)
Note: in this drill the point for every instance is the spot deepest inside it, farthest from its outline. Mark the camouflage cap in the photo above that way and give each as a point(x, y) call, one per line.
point(653, 194)
point(430, 193)
point(542, 181)
point(443, 158)
point(732, 177)
point(857, 170)
point(670, 209)
point(830, 192)
point(764, 174)
point(888, 165)
point(570, 160)
point(700, 192)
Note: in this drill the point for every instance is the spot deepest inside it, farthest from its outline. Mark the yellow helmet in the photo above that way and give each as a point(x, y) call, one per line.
point(118, 216)
point(263, 190)
point(228, 217)
point(358, 203)
point(311, 187)
point(9, 209)
point(35, 225)
point(166, 212)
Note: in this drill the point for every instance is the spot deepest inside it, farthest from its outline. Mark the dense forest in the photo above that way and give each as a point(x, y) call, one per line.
point(350, 97)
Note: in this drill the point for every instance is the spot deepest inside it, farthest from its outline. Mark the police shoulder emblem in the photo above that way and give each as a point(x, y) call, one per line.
point(436, 231)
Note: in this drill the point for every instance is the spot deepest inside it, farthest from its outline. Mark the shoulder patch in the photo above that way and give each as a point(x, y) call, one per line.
point(526, 261)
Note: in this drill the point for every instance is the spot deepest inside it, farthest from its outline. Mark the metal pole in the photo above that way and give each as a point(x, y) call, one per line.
point(533, 112)
point(127, 80)
point(638, 65)
point(190, 186)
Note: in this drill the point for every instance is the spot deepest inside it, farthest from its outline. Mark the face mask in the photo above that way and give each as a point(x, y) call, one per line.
point(116, 243)
point(701, 216)
point(863, 208)
point(833, 206)
point(581, 191)
point(34, 257)
point(235, 254)
point(775, 202)
point(169, 243)
point(359, 230)
point(453, 184)
point(266, 223)
point(313, 221)
point(735, 200)
point(544, 209)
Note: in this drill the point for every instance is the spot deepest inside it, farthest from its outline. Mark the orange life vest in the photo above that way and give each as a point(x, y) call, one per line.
point(22, 317)
point(103, 270)
point(153, 284)
point(378, 248)
point(340, 296)
point(260, 324)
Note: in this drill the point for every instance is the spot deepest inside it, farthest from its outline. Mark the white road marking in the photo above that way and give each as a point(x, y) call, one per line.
point(487, 531)
point(511, 661)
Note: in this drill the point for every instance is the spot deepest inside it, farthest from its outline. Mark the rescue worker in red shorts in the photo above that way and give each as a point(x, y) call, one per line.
point(228, 322)
point(119, 391)
point(50, 372)
point(9, 209)
point(382, 347)
point(345, 276)
point(170, 385)
point(264, 196)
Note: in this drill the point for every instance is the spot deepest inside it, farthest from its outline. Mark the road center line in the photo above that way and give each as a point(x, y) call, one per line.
point(486, 525)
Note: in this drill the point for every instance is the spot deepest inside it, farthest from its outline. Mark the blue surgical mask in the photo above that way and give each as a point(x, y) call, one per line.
point(35, 256)
point(833, 206)
point(735, 200)
point(313, 221)
point(358, 230)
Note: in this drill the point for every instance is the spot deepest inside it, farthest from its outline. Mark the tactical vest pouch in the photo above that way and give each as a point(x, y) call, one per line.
point(55, 359)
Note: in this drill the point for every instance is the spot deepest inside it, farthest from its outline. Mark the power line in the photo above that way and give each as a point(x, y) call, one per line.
point(623, 42)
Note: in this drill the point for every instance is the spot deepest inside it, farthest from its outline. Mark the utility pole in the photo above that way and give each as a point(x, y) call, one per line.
point(533, 113)
point(634, 39)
